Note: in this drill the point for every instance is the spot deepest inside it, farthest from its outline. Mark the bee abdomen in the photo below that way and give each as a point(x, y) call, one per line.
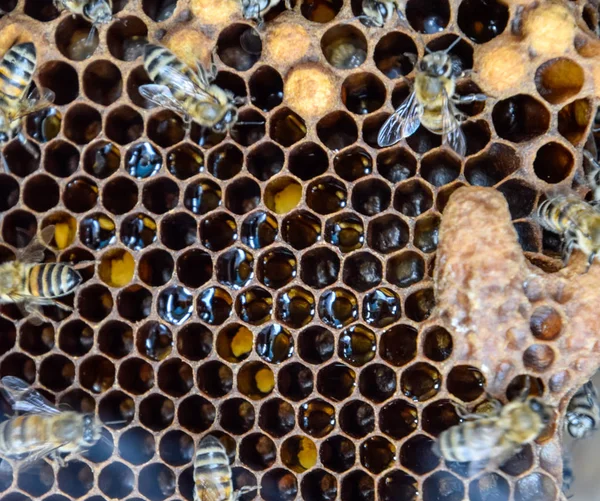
point(16, 71)
point(156, 58)
point(52, 280)
point(560, 213)
point(462, 442)
point(211, 462)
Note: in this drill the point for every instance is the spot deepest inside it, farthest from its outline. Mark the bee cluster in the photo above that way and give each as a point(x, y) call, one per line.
point(256, 241)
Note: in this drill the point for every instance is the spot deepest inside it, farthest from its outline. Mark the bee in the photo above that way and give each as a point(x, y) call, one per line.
point(378, 13)
point(186, 92)
point(257, 9)
point(31, 284)
point(497, 436)
point(583, 412)
point(212, 473)
point(576, 220)
point(593, 175)
point(345, 55)
point(43, 430)
point(431, 103)
point(97, 12)
point(16, 102)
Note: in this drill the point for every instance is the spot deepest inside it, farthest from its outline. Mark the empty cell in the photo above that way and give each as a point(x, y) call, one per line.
point(20, 161)
point(264, 161)
point(36, 482)
point(429, 18)
point(259, 230)
point(175, 305)
point(254, 306)
point(266, 88)
point(413, 198)
point(535, 487)
point(249, 129)
point(176, 448)
point(553, 163)
point(124, 125)
point(156, 412)
point(337, 131)
point(126, 39)
point(156, 267)
point(440, 168)
point(371, 127)
point(465, 382)
point(196, 414)
point(116, 408)
point(276, 417)
point(345, 231)
point(75, 338)
point(119, 195)
point(418, 456)
point(215, 379)
point(178, 231)
point(326, 195)
point(363, 93)
point(115, 339)
point(239, 46)
point(489, 486)
point(80, 194)
point(362, 271)
point(301, 229)
point(97, 374)
point(159, 10)
point(214, 305)
point(443, 481)
point(405, 269)
point(225, 162)
point(9, 192)
point(8, 336)
point(157, 482)
point(520, 118)
point(202, 196)
point(82, 123)
point(134, 303)
point(194, 268)
point(242, 196)
point(337, 381)
point(136, 445)
point(307, 161)
point(398, 345)
point(358, 486)
point(21, 366)
point(71, 37)
point(75, 479)
point(101, 159)
point(137, 78)
point(286, 127)
point(60, 78)
point(41, 193)
point(295, 382)
point(353, 164)
point(439, 416)
point(344, 47)
point(477, 135)
point(160, 195)
point(19, 228)
point(97, 231)
point(57, 372)
point(481, 20)
point(519, 196)
point(377, 382)
point(371, 197)
point(138, 231)
point(165, 128)
point(316, 345)
point(102, 82)
point(42, 10)
point(320, 11)
point(426, 233)
point(394, 55)
point(492, 166)
point(279, 484)
point(338, 454)
point(559, 79)
point(319, 268)
point(94, 303)
point(237, 416)
point(438, 344)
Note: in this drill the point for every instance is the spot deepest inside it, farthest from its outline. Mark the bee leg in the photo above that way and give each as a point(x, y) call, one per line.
point(288, 5)
point(203, 132)
point(590, 261)
point(4, 163)
point(471, 98)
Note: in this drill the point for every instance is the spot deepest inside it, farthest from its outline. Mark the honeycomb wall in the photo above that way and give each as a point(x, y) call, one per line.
point(275, 285)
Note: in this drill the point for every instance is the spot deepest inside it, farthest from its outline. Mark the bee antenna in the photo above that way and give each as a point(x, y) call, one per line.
point(121, 421)
point(250, 123)
point(452, 45)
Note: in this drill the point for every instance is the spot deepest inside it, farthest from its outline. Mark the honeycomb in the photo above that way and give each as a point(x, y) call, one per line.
point(274, 286)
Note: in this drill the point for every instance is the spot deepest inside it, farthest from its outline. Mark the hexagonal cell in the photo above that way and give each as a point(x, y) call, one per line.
point(175, 305)
point(94, 303)
point(126, 39)
point(225, 162)
point(573, 120)
point(165, 128)
point(276, 417)
point(490, 167)
point(465, 382)
point(259, 230)
point(242, 196)
point(185, 161)
point(196, 414)
point(116, 480)
point(520, 197)
point(358, 485)
point(317, 418)
point(438, 344)
point(101, 159)
point(299, 453)
point(76, 479)
point(175, 377)
point(160, 195)
point(234, 268)
point(443, 481)
point(282, 194)
point(23, 367)
point(264, 161)
point(202, 196)
point(520, 118)
point(9, 192)
point(371, 197)
point(357, 419)
point(275, 344)
point(279, 484)
point(120, 195)
point(233, 46)
point(143, 160)
point(286, 127)
point(535, 486)
point(44, 10)
point(194, 268)
point(338, 454)
point(336, 381)
point(255, 380)
point(381, 307)
point(134, 303)
point(391, 54)
point(319, 485)
point(97, 374)
point(266, 88)
point(362, 271)
point(80, 195)
point(295, 307)
point(102, 82)
point(477, 134)
point(363, 93)
point(276, 268)
point(439, 416)
point(75, 338)
point(344, 47)
point(538, 357)
point(420, 382)
point(8, 336)
point(194, 342)
point(258, 451)
point(559, 79)
point(20, 161)
point(489, 486)
point(418, 456)
point(156, 267)
point(82, 124)
point(116, 267)
point(60, 78)
point(37, 482)
point(337, 131)
point(136, 446)
point(115, 339)
point(353, 164)
point(308, 160)
point(413, 198)
point(527, 236)
point(377, 454)
point(214, 305)
point(326, 195)
point(254, 305)
point(316, 345)
point(41, 193)
point(405, 269)
point(338, 307)
point(396, 164)
point(319, 268)
point(237, 416)
point(426, 233)
point(377, 382)
point(440, 168)
point(345, 231)
point(58, 373)
point(71, 37)
point(428, 18)
point(398, 345)
point(295, 381)
point(157, 482)
point(301, 229)
point(159, 11)
point(482, 21)
point(553, 163)
point(116, 407)
point(218, 231)
point(153, 340)
point(388, 233)
point(249, 129)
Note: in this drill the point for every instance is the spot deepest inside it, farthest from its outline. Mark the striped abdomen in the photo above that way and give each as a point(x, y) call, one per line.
point(156, 58)
point(212, 464)
point(16, 72)
point(50, 280)
point(583, 412)
point(470, 441)
point(24, 434)
point(562, 213)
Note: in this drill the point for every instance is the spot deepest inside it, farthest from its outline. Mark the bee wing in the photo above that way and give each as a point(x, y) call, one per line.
point(34, 252)
point(402, 123)
point(162, 96)
point(452, 134)
point(184, 84)
point(37, 100)
point(24, 398)
point(210, 490)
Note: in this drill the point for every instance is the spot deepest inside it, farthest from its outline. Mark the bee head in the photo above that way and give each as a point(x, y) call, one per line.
point(437, 65)
point(250, 9)
point(98, 10)
point(92, 431)
point(580, 425)
point(376, 12)
point(541, 409)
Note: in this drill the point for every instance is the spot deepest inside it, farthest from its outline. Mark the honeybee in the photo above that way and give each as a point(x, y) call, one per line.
point(593, 175)
point(346, 55)
point(44, 430)
point(497, 436)
point(576, 220)
point(257, 9)
point(212, 473)
point(97, 12)
point(31, 284)
point(431, 103)
point(190, 94)
point(16, 73)
point(378, 13)
point(583, 412)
